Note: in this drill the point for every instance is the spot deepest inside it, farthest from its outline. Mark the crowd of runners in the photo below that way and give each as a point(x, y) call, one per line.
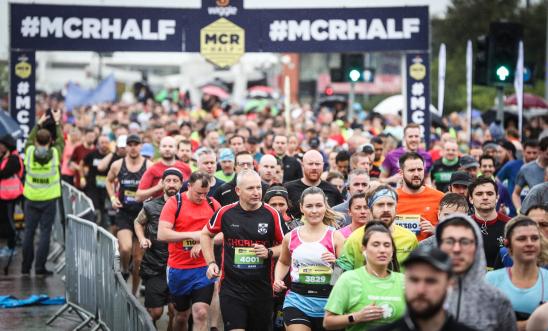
point(242, 221)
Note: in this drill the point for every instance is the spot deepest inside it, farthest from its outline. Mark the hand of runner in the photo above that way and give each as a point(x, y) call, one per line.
point(43, 118)
point(212, 271)
point(260, 251)
point(116, 204)
point(329, 257)
point(195, 251)
point(369, 313)
point(279, 286)
point(426, 226)
point(145, 243)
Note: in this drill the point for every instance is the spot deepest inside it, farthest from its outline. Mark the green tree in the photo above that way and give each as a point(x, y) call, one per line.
point(468, 19)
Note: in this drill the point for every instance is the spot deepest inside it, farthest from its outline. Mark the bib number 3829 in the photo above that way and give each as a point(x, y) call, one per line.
point(245, 258)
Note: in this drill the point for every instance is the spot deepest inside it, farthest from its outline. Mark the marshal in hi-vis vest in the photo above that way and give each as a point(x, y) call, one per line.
point(11, 188)
point(42, 181)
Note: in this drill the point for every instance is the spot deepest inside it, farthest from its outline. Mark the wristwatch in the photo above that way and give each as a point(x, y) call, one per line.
point(351, 319)
point(270, 253)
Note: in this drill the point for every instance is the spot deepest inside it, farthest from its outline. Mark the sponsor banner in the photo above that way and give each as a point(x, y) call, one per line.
point(22, 92)
point(102, 29)
point(57, 27)
point(418, 92)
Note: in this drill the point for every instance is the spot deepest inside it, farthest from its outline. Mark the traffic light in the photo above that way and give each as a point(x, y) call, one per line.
point(503, 52)
point(329, 91)
point(481, 61)
point(352, 67)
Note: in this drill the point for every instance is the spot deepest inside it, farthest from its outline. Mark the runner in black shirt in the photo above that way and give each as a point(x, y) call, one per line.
point(312, 169)
point(95, 183)
point(252, 233)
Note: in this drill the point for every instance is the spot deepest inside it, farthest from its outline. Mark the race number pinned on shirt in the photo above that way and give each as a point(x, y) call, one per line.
point(410, 222)
point(188, 244)
point(245, 258)
point(315, 275)
point(101, 181)
point(130, 196)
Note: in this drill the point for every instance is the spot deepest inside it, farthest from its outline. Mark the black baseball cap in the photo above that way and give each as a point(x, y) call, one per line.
point(133, 138)
point(430, 255)
point(314, 142)
point(276, 191)
point(460, 178)
point(468, 161)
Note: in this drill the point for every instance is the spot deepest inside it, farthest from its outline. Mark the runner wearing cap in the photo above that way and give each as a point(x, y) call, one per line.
point(122, 181)
point(427, 282)
point(277, 197)
point(382, 203)
point(460, 180)
point(252, 232)
point(151, 183)
point(181, 222)
point(153, 266)
point(372, 294)
point(470, 165)
point(308, 253)
point(226, 159)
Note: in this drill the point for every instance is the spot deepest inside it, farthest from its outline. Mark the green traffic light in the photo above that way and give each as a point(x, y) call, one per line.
point(502, 73)
point(354, 75)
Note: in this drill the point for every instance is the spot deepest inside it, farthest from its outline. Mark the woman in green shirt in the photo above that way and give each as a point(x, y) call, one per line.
point(372, 295)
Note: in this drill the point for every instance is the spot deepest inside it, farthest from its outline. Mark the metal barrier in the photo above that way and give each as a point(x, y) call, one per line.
point(95, 288)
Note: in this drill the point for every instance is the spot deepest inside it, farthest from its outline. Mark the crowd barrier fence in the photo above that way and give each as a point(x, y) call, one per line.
point(95, 288)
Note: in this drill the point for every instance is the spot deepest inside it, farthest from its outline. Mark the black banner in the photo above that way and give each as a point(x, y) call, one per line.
point(418, 92)
point(22, 92)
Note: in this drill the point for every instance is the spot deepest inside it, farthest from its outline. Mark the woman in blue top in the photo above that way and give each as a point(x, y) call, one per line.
point(525, 284)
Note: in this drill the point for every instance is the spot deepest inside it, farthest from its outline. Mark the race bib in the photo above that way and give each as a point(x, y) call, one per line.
point(245, 258)
point(315, 275)
point(101, 181)
point(188, 244)
point(410, 222)
point(129, 196)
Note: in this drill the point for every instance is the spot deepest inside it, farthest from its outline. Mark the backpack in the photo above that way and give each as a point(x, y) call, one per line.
point(179, 199)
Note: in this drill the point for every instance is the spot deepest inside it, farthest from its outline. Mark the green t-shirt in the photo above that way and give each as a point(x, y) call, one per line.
point(220, 175)
point(356, 289)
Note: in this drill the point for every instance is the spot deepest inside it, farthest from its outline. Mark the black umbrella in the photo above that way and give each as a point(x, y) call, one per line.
point(8, 125)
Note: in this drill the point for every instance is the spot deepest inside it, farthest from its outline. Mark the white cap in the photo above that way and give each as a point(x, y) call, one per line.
point(121, 141)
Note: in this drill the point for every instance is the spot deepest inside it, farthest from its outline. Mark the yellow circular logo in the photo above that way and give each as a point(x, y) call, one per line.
point(23, 69)
point(417, 71)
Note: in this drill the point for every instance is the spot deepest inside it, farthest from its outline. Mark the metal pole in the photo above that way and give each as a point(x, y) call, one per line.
point(351, 102)
point(500, 104)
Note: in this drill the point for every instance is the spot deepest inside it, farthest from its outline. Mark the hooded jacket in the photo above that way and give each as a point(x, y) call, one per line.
point(474, 302)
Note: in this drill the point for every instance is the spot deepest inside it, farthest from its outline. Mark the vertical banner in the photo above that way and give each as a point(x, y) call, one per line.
point(469, 88)
point(518, 85)
point(22, 92)
point(441, 79)
point(417, 92)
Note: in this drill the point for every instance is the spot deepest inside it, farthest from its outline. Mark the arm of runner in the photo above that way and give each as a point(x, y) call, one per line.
point(103, 164)
point(368, 313)
point(426, 226)
point(139, 225)
point(167, 234)
point(82, 173)
point(206, 241)
point(282, 266)
point(516, 199)
point(143, 194)
point(111, 179)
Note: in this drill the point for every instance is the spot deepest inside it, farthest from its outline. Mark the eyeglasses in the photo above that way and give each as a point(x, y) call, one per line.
point(463, 242)
point(245, 164)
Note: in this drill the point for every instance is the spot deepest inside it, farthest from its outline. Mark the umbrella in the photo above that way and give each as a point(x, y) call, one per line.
point(529, 101)
point(332, 100)
point(215, 90)
point(258, 105)
point(394, 106)
point(260, 91)
point(8, 125)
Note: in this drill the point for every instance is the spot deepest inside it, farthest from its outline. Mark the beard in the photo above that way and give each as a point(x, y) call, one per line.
point(171, 192)
point(431, 309)
point(413, 186)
